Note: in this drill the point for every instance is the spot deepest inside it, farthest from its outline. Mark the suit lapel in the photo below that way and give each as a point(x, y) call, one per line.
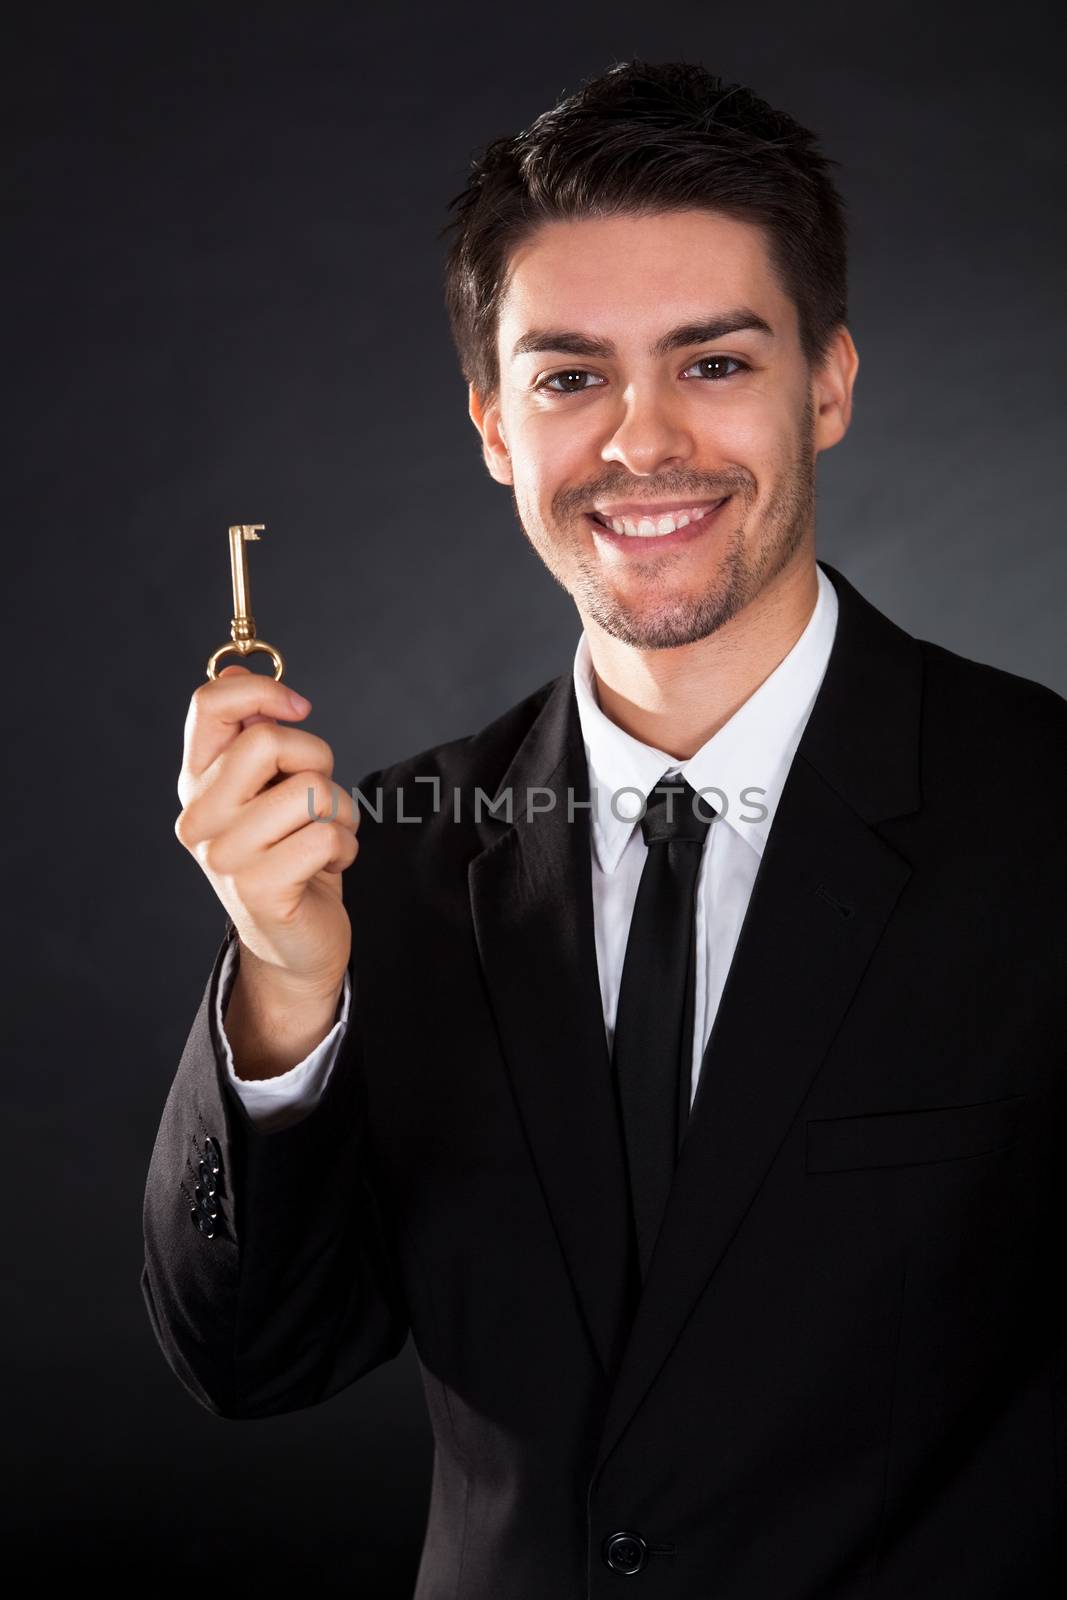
point(826, 887)
point(531, 901)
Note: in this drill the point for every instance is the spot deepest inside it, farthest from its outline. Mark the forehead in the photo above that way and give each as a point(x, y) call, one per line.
point(614, 275)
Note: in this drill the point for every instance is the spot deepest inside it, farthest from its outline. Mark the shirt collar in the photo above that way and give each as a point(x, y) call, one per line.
point(744, 765)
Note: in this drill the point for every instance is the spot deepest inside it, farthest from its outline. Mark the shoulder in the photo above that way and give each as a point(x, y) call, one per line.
point(993, 713)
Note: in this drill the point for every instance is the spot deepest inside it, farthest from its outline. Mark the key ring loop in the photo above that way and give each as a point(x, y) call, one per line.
point(245, 647)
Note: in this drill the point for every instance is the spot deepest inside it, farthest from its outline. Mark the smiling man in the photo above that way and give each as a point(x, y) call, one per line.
point(681, 1064)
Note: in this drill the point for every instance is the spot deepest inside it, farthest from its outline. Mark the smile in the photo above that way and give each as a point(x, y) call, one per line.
point(672, 528)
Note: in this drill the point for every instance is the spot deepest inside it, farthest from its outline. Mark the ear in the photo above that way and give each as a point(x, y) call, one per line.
point(832, 385)
point(486, 419)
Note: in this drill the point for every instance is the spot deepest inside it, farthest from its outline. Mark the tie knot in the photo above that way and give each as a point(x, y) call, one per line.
point(674, 811)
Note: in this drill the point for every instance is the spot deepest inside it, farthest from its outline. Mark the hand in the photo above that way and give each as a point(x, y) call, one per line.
point(247, 819)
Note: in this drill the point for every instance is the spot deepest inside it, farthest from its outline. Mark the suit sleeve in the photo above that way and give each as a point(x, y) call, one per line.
point(268, 1277)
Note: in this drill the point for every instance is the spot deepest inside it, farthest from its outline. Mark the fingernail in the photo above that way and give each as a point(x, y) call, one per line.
point(298, 701)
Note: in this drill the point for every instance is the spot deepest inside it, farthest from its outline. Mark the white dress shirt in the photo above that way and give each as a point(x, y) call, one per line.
point(742, 768)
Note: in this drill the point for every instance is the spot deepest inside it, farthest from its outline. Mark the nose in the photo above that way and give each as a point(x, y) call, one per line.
point(650, 434)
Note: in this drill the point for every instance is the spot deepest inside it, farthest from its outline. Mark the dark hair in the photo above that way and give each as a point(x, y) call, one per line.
point(640, 139)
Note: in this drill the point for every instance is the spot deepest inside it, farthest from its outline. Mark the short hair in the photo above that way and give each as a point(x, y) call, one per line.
point(640, 139)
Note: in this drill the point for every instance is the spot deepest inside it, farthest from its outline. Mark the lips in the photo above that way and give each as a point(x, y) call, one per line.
point(701, 520)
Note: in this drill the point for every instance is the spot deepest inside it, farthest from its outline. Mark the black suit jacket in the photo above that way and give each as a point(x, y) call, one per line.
point(846, 1375)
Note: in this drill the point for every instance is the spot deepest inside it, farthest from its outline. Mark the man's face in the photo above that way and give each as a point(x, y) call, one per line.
point(621, 401)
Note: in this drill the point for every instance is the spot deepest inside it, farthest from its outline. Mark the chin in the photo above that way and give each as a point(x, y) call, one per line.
point(656, 627)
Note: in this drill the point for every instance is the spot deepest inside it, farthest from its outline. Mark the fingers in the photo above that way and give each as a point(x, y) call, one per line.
point(219, 708)
point(273, 886)
point(305, 800)
point(259, 754)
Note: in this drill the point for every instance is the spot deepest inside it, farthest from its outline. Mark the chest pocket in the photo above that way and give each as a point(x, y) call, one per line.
point(911, 1138)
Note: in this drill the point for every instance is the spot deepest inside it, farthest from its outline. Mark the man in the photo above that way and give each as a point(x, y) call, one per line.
point(682, 1061)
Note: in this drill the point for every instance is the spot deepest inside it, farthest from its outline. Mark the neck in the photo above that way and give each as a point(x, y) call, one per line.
point(677, 699)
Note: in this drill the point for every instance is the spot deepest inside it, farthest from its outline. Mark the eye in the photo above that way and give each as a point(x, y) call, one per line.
point(560, 383)
point(562, 377)
point(717, 361)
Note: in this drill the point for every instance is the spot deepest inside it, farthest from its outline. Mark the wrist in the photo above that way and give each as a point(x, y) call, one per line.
point(271, 1031)
point(278, 990)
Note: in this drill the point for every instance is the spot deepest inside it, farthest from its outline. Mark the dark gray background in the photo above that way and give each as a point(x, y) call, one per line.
point(225, 305)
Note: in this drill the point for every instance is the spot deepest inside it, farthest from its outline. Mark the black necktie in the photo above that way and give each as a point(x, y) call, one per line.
point(653, 1041)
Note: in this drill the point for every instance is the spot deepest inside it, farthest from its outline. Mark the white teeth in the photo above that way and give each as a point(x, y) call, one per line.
point(649, 528)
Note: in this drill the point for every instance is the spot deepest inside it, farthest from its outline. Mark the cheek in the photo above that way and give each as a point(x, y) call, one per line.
point(555, 436)
point(750, 430)
point(555, 451)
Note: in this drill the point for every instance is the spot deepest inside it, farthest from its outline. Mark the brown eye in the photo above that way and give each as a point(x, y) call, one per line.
point(564, 378)
point(717, 362)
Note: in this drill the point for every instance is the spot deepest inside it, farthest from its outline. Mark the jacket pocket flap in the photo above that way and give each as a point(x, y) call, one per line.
point(907, 1138)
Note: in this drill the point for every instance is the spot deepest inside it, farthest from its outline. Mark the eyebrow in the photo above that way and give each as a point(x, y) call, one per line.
point(566, 342)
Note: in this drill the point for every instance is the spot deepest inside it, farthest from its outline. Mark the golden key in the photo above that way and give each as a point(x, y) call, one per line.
point(243, 639)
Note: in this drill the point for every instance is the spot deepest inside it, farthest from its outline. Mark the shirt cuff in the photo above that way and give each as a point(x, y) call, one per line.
point(275, 1102)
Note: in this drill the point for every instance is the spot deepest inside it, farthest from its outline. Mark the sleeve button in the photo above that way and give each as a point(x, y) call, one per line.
point(202, 1222)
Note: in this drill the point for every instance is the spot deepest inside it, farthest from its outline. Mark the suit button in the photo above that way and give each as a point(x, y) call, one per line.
point(203, 1222)
point(212, 1155)
point(625, 1552)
